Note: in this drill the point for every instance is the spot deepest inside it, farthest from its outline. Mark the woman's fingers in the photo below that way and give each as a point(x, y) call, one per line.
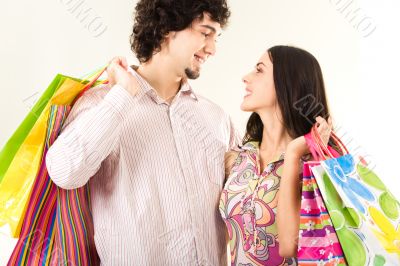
point(324, 128)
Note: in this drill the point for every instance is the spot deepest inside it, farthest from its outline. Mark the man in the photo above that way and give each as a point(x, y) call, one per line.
point(150, 147)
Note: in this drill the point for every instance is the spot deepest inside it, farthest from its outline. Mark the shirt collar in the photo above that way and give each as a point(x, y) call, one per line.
point(185, 89)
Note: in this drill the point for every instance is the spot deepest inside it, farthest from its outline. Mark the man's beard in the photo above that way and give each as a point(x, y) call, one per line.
point(192, 74)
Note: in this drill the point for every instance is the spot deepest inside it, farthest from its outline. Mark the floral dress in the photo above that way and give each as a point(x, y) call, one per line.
point(248, 206)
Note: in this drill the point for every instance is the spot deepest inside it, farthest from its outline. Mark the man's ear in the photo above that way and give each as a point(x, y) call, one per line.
point(170, 35)
point(167, 38)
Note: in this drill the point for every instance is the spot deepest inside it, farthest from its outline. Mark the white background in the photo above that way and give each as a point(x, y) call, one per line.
point(42, 38)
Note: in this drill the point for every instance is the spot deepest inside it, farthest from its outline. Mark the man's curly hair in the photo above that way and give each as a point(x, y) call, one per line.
point(154, 19)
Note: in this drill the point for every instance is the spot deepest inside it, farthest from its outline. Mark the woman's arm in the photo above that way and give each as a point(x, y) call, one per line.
point(289, 201)
point(288, 213)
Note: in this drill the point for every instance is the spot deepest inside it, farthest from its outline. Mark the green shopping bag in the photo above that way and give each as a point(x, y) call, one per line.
point(14, 142)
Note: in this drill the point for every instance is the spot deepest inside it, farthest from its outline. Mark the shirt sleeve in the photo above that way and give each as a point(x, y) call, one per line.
point(235, 137)
point(89, 135)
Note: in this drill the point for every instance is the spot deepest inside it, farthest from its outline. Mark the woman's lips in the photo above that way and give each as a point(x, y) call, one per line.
point(248, 92)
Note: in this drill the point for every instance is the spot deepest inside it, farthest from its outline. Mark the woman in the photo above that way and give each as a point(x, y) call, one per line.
point(260, 202)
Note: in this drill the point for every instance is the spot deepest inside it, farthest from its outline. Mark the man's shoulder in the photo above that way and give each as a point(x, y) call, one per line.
point(205, 102)
point(94, 94)
point(98, 91)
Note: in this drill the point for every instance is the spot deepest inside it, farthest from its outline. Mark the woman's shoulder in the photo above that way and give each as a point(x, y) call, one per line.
point(230, 158)
point(232, 155)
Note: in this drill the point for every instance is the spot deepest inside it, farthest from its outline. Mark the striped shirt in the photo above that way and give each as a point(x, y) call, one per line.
point(155, 171)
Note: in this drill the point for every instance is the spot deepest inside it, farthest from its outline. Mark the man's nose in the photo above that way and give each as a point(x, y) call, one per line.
point(210, 47)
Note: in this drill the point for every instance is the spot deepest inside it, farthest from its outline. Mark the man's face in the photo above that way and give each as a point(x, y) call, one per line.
point(190, 48)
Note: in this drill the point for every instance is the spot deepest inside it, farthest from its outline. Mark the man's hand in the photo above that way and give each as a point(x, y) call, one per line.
point(117, 72)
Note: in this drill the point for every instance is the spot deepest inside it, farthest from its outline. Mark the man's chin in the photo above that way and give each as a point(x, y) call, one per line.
point(192, 74)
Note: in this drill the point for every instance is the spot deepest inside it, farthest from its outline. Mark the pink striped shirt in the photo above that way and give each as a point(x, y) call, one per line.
point(155, 170)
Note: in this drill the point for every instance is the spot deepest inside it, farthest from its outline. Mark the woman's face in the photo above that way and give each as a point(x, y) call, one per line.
point(260, 89)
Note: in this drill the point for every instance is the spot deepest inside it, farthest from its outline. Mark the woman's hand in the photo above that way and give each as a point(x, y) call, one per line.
point(324, 129)
point(298, 147)
point(290, 190)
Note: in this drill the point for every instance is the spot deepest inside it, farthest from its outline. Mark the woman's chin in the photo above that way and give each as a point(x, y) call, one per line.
point(245, 108)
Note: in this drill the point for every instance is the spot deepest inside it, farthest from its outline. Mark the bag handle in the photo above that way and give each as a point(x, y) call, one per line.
point(319, 150)
point(92, 74)
point(94, 79)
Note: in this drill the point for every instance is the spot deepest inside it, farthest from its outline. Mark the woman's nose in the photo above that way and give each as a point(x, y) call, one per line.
point(245, 79)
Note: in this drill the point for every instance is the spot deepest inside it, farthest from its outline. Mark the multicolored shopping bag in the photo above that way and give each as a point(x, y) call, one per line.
point(318, 242)
point(16, 186)
point(364, 213)
point(57, 227)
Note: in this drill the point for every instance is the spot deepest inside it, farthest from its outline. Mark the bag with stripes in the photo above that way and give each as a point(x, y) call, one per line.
point(57, 227)
point(24, 151)
point(318, 243)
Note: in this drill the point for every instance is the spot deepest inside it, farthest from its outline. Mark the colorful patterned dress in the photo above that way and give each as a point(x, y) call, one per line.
point(248, 206)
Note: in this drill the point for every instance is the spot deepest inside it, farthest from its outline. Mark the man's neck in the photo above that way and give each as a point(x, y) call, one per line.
point(159, 73)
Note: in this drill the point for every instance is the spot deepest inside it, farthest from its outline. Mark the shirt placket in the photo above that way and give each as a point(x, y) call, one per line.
point(177, 114)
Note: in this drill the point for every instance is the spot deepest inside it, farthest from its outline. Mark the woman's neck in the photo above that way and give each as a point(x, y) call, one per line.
point(275, 136)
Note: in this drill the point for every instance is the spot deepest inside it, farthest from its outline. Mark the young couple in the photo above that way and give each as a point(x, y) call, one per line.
point(170, 182)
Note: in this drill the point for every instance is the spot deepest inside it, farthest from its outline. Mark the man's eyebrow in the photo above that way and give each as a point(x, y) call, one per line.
point(211, 28)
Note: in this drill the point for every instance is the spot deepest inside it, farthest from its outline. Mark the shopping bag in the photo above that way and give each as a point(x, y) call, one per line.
point(318, 242)
point(18, 179)
point(36, 243)
point(364, 213)
point(14, 142)
point(74, 237)
point(57, 227)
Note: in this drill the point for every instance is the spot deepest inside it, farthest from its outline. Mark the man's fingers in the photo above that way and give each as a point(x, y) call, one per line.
point(124, 63)
point(121, 61)
point(114, 67)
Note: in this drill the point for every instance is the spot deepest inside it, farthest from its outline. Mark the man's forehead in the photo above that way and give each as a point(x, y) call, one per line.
point(207, 22)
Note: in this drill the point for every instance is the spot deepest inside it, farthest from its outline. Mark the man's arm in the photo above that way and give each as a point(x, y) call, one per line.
point(93, 130)
point(234, 136)
point(89, 136)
